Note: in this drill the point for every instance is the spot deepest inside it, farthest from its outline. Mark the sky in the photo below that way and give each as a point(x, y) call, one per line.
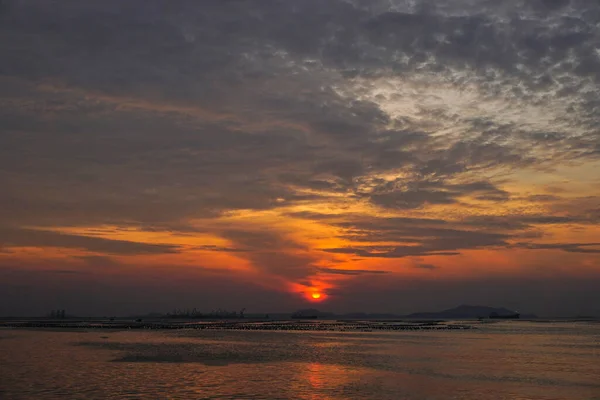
point(389, 155)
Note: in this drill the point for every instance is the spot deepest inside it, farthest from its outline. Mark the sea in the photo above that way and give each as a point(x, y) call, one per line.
point(517, 360)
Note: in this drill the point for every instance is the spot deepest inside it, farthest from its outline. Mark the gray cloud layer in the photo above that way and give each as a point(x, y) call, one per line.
point(29, 237)
point(206, 91)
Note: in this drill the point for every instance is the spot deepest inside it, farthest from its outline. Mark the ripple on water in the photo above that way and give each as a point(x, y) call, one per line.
point(485, 364)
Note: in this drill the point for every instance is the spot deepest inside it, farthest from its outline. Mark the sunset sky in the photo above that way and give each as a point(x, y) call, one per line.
point(389, 155)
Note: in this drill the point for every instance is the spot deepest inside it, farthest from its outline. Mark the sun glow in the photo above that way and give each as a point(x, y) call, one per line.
point(316, 295)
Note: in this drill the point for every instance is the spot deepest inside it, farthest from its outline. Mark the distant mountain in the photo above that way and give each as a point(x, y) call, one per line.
point(464, 311)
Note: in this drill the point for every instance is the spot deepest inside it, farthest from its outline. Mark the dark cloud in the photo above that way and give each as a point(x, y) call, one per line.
point(412, 198)
point(426, 266)
point(429, 239)
point(37, 238)
point(352, 220)
point(569, 247)
point(518, 222)
point(350, 272)
point(438, 237)
point(402, 195)
point(394, 252)
point(544, 198)
point(210, 247)
point(111, 102)
point(271, 251)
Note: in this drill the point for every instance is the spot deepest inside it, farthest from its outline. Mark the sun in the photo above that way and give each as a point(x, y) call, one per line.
point(316, 295)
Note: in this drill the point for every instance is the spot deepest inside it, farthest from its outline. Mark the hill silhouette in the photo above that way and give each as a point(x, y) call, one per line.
point(463, 311)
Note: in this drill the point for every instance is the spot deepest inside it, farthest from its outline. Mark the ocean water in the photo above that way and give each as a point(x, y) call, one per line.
point(505, 360)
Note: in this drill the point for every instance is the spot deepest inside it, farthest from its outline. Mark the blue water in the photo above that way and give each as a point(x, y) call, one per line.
point(505, 360)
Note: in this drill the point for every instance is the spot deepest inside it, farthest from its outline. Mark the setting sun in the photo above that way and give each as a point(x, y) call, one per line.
point(316, 296)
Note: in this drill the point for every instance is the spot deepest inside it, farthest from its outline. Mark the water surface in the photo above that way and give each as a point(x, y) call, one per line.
point(505, 360)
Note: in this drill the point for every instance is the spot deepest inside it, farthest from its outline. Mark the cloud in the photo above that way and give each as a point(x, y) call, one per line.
point(543, 198)
point(38, 238)
point(426, 266)
point(210, 247)
point(519, 222)
point(394, 252)
point(350, 272)
point(333, 132)
point(412, 198)
point(430, 238)
point(273, 252)
point(568, 247)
